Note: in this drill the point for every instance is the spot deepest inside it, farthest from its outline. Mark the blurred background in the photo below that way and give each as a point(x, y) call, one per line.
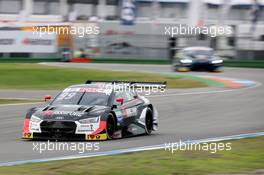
point(129, 29)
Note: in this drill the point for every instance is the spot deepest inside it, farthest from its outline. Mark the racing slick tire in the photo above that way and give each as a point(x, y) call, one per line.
point(110, 126)
point(149, 121)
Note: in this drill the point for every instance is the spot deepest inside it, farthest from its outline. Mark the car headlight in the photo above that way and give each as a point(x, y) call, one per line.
point(89, 120)
point(186, 61)
point(217, 61)
point(35, 119)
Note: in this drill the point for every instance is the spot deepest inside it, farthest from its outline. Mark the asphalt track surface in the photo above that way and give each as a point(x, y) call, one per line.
point(184, 114)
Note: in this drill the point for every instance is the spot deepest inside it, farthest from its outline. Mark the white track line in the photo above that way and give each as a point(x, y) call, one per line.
point(131, 150)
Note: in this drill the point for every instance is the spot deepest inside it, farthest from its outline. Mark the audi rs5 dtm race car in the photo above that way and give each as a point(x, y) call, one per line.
point(93, 111)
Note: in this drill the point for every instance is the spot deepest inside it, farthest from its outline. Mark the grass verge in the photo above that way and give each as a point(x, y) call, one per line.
point(246, 156)
point(227, 63)
point(12, 101)
point(34, 76)
point(28, 60)
point(245, 63)
point(130, 61)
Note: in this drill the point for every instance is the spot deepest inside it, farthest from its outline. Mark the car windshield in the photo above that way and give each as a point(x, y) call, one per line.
point(198, 52)
point(82, 98)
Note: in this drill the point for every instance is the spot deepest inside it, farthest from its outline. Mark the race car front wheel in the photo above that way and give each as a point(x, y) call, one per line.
point(149, 122)
point(110, 126)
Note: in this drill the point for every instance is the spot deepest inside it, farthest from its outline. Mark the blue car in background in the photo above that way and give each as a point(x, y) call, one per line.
point(197, 58)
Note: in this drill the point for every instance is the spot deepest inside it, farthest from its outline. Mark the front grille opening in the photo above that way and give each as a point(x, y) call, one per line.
point(58, 127)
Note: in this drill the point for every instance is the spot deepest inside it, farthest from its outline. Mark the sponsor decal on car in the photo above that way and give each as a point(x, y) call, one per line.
point(48, 113)
point(130, 112)
point(90, 89)
point(27, 135)
point(86, 128)
point(96, 137)
point(75, 114)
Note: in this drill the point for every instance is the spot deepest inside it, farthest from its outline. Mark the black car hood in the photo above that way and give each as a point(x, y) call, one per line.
point(199, 58)
point(70, 112)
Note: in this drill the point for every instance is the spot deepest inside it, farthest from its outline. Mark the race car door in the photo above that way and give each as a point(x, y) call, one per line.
point(129, 109)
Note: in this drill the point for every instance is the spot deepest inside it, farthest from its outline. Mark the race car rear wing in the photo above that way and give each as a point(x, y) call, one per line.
point(130, 83)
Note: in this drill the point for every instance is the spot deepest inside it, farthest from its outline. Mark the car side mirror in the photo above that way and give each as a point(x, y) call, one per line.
point(120, 100)
point(47, 98)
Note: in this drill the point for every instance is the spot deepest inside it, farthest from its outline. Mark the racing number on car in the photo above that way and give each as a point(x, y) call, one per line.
point(89, 127)
point(129, 112)
point(67, 95)
point(124, 112)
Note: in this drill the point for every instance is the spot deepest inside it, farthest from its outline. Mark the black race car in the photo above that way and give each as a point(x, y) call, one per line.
point(93, 111)
point(197, 58)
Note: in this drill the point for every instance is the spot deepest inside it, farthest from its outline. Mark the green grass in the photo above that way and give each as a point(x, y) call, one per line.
point(35, 76)
point(12, 101)
point(28, 60)
point(227, 63)
point(245, 63)
point(131, 60)
point(246, 155)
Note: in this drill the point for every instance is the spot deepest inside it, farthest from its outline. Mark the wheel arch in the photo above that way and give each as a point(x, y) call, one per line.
point(154, 116)
point(151, 107)
point(30, 112)
point(115, 118)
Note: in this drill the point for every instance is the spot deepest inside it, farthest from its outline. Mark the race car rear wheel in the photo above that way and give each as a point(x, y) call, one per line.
point(149, 122)
point(110, 126)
